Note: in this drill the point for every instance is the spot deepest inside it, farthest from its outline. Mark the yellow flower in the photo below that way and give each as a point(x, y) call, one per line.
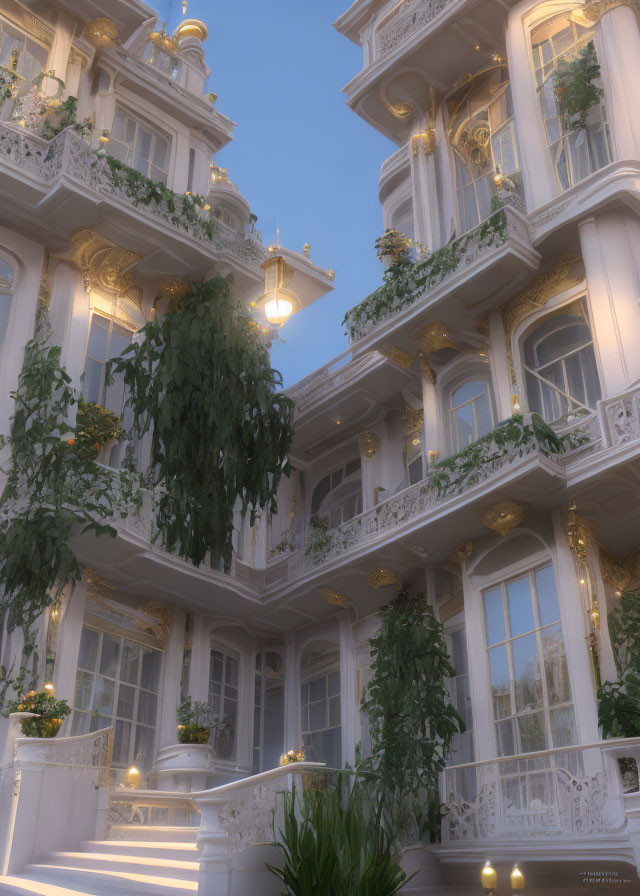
point(32, 694)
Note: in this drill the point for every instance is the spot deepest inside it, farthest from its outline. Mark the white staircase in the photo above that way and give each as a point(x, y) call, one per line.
point(139, 860)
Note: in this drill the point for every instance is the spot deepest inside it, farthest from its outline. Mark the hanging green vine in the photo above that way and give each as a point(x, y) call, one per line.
point(574, 87)
point(411, 718)
point(619, 701)
point(51, 493)
point(202, 379)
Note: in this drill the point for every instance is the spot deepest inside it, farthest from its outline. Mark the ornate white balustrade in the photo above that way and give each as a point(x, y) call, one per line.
point(69, 157)
point(572, 791)
point(405, 20)
point(620, 418)
point(327, 379)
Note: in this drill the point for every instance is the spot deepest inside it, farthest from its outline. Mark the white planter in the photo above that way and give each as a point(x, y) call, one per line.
point(183, 767)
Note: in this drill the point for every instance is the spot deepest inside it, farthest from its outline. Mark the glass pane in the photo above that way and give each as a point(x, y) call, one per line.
point(109, 656)
point(463, 699)
point(117, 129)
point(500, 681)
point(5, 308)
point(526, 671)
point(532, 732)
point(150, 669)
point(93, 371)
point(317, 716)
point(494, 616)
point(103, 697)
point(126, 701)
point(98, 338)
point(505, 737)
point(130, 663)
point(318, 689)
point(147, 704)
point(563, 726)
point(215, 673)
point(459, 652)
point(88, 649)
point(121, 741)
point(80, 723)
point(120, 339)
point(334, 684)
point(82, 697)
point(555, 665)
point(548, 608)
point(334, 712)
point(143, 751)
point(231, 671)
point(520, 607)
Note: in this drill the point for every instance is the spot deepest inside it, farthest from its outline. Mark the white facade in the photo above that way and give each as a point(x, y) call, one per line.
point(522, 555)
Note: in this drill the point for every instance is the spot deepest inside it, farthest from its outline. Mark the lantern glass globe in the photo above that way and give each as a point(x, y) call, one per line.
point(278, 310)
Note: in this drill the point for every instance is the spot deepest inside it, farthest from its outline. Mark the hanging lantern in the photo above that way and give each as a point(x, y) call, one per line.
point(278, 302)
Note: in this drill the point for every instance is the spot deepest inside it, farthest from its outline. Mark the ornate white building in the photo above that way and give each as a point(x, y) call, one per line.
point(524, 298)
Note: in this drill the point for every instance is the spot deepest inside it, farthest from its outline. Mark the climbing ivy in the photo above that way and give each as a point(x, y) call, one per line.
point(411, 717)
point(201, 379)
point(51, 493)
point(619, 701)
point(64, 116)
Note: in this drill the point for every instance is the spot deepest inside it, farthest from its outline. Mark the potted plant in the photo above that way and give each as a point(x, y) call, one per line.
point(195, 722)
point(48, 713)
point(393, 247)
point(224, 739)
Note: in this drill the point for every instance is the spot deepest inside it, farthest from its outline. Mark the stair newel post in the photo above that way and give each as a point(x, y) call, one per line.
point(213, 848)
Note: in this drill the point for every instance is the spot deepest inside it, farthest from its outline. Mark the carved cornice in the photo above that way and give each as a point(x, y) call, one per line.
point(369, 444)
point(503, 517)
point(103, 263)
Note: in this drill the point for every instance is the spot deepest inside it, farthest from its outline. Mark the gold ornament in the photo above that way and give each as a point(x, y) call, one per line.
point(333, 597)
point(435, 337)
point(424, 143)
point(461, 553)
point(101, 32)
point(382, 577)
point(580, 532)
point(369, 444)
point(503, 517)
point(105, 264)
point(398, 356)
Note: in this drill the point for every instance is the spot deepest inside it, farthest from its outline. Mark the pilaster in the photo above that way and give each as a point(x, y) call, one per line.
point(349, 718)
point(171, 677)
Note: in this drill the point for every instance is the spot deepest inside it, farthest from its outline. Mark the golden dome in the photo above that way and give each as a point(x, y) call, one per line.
point(191, 28)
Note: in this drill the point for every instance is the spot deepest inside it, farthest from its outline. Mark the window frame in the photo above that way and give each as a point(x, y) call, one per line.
point(157, 133)
point(501, 578)
point(112, 322)
point(227, 653)
point(321, 674)
point(459, 371)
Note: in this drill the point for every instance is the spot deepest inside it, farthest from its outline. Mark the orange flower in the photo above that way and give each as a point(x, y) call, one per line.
point(71, 442)
point(32, 693)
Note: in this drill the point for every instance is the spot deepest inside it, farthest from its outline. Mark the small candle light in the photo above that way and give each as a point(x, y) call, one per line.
point(517, 880)
point(489, 877)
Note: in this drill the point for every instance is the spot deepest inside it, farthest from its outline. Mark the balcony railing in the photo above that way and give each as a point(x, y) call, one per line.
point(405, 20)
point(334, 374)
point(69, 156)
point(577, 790)
point(404, 287)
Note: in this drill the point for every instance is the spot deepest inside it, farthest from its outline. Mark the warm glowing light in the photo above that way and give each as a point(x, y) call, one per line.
point(517, 880)
point(489, 877)
point(338, 421)
point(618, 593)
point(49, 688)
point(133, 776)
point(498, 179)
point(207, 207)
point(184, 7)
point(416, 441)
point(582, 582)
point(278, 311)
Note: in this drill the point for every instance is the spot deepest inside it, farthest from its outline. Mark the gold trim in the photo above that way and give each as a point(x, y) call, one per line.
point(191, 28)
point(104, 264)
point(579, 531)
point(333, 597)
point(593, 10)
point(435, 337)
point(173, 290)
point(101, 32)
point(503, 517)
point(424, 143)
point(461, 553)
point(369, 444)
point(398, 356)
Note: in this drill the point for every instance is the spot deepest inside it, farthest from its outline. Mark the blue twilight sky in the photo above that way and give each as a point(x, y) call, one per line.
point(299, 154)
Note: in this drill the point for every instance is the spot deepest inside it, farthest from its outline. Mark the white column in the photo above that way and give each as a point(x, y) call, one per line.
point(425, 194)
point(171, 678)
point(200, 659)
point(349, 716)
point(500, 370)
point(479, 686)
point(618, 49)
point(60, 47)
point(73, 324)
point(610, 246)
point(537, 171)
point(69, 634)
point(292, 734)
point(61, 309)
point(573, 616)
point(434, 437)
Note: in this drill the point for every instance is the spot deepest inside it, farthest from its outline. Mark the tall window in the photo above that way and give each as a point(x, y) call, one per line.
point(531, 693)
point(482, 136)
point(560, 366)
point(338, 497)
point(268, 711)
point(470, 413)
point(575, 151)
point(117, 684)
point(7, 281)
point(140, 147)
point(21, 54)
point(321, 729)
point(107, 340)
point(223, 700)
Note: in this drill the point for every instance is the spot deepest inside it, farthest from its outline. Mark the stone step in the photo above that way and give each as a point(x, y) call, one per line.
point(165, 849)
point(53, 880)
point(127, 864)
point(155, 832)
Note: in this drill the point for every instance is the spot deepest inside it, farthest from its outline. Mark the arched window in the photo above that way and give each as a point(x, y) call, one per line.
point(482, 137)
point(338, 497)
point(223, 700)
point(7, 284)
point(576, 151)
point(560, 365)
point(470, 412)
